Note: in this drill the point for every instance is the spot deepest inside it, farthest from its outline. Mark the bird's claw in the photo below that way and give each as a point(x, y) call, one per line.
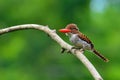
point(63, 50)
point(77, 48)
point(69, 51)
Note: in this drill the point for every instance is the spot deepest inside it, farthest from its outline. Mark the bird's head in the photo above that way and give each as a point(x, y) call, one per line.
point(70, 28)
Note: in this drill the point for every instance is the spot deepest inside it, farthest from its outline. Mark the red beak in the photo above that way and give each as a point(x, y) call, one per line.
point(65, 30)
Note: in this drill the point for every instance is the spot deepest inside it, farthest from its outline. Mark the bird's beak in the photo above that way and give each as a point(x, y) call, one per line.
point(65, 30)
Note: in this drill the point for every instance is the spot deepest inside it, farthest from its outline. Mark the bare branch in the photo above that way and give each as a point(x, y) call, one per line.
point(63, 44)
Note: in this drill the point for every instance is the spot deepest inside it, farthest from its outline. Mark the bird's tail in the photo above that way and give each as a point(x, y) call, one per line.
point(100, 55)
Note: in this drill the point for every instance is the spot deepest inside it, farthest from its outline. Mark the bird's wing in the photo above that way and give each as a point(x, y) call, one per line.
point(85, 38)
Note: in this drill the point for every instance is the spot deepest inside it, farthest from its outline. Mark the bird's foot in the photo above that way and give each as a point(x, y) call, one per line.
point(77, 48)
point(63, 50)
point(81, 50)
point(69, 51)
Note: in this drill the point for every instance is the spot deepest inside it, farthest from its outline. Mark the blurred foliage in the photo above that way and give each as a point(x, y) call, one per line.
point(32, 55)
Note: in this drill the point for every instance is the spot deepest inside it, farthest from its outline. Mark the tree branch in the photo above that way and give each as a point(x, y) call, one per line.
point(63, 44)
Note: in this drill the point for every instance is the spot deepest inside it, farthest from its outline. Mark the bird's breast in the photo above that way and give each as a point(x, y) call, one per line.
point(79, 42)
point(76, 40)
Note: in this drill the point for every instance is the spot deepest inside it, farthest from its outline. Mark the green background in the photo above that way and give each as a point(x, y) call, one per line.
point(32, 55)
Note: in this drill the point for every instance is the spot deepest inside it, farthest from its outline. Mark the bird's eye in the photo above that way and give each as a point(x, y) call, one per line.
point(74, 28)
